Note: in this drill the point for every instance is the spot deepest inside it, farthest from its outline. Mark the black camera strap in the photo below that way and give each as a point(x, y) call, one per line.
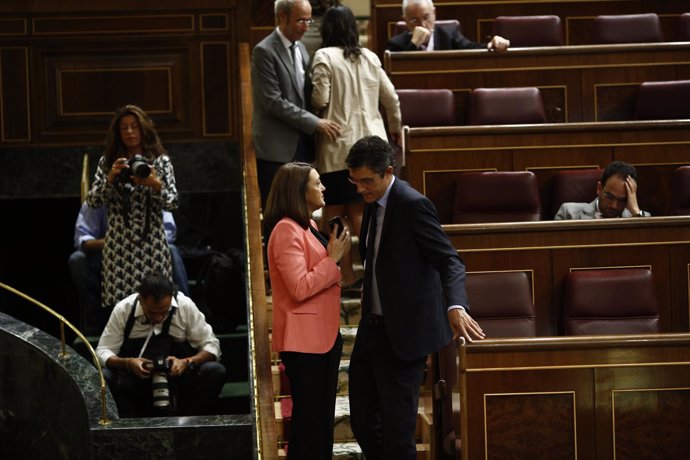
point(159, 345)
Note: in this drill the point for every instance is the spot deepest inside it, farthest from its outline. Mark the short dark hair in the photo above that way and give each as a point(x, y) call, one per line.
point(618, 168)
point(339, 28)
point(287, 197)
point(157, 286)
point(372, 152)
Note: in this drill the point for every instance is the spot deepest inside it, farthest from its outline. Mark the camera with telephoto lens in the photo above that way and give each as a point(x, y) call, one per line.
point(138, 167)
point(159, 384)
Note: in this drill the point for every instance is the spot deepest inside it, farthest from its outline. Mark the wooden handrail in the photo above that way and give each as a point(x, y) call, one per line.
point(262, 382)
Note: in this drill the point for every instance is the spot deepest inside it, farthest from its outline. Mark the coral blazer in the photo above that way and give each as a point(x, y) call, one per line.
point(306, 293)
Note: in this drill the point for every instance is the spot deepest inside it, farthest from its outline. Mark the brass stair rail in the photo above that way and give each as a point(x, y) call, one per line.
point(64, 355)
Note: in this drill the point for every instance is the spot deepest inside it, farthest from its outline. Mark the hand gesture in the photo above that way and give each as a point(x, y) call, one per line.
point(329, 128)
point(338, 245)
point(177, 366)
point(150, 181)
point(139, 367)
point(631, 189)
point(464, 325)
point(118, 166)
point(498, 43)
point(420, 36)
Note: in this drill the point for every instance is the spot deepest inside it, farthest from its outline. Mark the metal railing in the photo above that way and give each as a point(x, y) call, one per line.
point(64, 354)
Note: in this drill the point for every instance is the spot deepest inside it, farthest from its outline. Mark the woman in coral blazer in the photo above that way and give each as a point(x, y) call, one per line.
point(305, 280)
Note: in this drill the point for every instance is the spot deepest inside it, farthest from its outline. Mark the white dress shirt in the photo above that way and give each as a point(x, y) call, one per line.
point(188, 324)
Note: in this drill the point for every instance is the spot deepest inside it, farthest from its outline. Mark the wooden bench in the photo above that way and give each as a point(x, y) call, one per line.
point(477, 16)
point(548, 251)
point(433, 157)
point(577, 83)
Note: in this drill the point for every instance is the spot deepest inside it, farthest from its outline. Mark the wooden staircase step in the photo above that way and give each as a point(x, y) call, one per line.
point(341, 429)
point(351, 451)
point(350, 311)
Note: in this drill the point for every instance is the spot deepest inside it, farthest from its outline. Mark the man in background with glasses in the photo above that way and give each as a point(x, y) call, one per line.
point(282, 124)
point(616, 196)
point(420, 16)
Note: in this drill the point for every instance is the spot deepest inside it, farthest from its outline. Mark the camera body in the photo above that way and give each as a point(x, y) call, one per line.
point(160, 365)
point(159, 384)
point(138, 167)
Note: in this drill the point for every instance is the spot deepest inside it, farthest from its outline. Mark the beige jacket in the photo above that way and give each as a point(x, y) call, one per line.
point(348, 92)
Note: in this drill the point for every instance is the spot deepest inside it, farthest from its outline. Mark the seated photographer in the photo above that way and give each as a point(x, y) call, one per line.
point(85, 264)
point(160, 356)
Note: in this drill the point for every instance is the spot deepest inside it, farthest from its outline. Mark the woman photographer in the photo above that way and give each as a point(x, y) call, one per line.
point(136, 182)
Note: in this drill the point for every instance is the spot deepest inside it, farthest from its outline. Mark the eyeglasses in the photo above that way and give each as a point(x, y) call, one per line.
point(612, 197)
point(305, 22)
point(366, 182)
point(419, 21)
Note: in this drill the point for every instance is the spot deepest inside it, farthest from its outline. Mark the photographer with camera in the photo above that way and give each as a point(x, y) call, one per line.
point(136, 182)
point(160, 356)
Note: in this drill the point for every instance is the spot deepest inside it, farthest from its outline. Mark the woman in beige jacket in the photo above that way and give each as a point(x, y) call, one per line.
point(349, 83)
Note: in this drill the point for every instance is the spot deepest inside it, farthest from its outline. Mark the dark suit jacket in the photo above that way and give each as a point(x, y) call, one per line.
point(442, 41)
point(418, 272)
point(280, 107)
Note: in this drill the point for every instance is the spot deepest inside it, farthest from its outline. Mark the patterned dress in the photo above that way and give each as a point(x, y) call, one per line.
point(135, 243)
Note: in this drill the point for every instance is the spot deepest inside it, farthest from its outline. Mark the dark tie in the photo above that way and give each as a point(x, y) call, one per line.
point(369, 266)
point(297, 65)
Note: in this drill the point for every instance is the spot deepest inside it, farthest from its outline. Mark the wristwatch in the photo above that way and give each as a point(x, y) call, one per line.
point(190, 364)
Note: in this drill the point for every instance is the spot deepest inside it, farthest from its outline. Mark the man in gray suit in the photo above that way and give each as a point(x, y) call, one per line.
point(616, 196)
point(282, 124)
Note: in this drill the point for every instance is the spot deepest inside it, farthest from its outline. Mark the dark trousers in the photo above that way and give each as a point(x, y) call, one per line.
point(313, 386)
point(196, 392)
point(384, 396)
point(266, 170)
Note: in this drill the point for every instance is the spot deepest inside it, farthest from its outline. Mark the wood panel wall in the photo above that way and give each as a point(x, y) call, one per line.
point(65, 67)
point(476, 16)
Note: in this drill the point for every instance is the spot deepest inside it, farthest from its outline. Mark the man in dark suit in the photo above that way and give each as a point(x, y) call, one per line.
point(420, 16)
point(413, 303)
point(282, 124)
